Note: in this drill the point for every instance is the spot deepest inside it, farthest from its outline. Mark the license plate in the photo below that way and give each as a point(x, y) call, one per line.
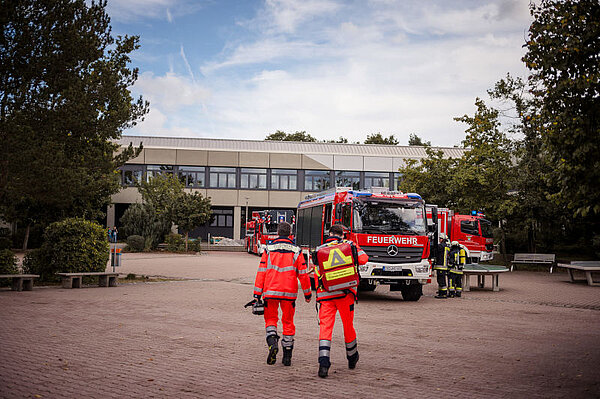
point(392, 268)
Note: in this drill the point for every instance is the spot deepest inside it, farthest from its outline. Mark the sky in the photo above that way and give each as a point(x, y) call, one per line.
point(247, 68)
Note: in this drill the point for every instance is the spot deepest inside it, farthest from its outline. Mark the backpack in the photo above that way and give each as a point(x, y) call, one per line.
point(336, 265)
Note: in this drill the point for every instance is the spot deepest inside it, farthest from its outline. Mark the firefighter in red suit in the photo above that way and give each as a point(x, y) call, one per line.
point(281, 266)
point(341, 301)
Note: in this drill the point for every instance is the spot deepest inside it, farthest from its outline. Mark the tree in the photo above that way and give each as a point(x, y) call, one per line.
point(190, 211)
point(413, 139)
point(298, 136)
point(563, 50)
point(377, 138)
point(64, 101)
point(162, 191)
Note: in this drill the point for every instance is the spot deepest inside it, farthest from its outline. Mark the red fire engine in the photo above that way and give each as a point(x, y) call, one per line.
point(473, 231)
point(263, 228)
point(389, 226)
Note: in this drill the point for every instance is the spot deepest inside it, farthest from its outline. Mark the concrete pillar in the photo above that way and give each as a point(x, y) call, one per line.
point(237, 222)
point(110, 216)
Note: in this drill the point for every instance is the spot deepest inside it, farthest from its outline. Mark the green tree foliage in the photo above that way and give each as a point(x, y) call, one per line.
point(143, 220)
point(298, 136)
point(162, 192)
point(136, 243)
point(8, 262)
point(64, 100)
point(413, 139)
point(377, 138)
point(190, 211)
point(563, 54)
point(71, 245)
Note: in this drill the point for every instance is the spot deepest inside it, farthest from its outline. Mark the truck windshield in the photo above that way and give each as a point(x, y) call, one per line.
point(486, 228)
point(389, 217)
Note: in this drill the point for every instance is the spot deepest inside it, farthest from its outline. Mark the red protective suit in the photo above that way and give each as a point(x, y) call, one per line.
point(341, 301)
point(281, 266)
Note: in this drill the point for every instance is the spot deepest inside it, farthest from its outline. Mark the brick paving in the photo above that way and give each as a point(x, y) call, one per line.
point(537, 338)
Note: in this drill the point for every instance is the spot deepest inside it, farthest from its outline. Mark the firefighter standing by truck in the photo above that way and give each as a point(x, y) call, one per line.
point(457, 258)
point(344, 256)
point(441, 267)
point(281, 265)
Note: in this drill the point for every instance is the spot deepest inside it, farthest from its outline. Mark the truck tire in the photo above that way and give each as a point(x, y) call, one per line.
point(412, 293)
point(365, 286)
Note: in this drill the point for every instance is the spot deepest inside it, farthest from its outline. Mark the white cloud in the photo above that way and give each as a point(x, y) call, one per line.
point(134, 10)
point(171, 91)
point(287, 15)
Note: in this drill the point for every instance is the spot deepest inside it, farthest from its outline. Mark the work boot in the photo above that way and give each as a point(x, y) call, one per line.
point(458, 294)
point(273, 344)
point(441, 296)
point(287, 357)
point(324, 364)
point(352, 360)
point(323, 370)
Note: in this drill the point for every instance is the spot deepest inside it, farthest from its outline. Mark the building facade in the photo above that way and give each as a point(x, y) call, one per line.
point(241, 176)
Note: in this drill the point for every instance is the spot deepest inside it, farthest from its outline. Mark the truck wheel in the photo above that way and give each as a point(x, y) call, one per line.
point(412, 292)
point(365, 286)
point(248, 249)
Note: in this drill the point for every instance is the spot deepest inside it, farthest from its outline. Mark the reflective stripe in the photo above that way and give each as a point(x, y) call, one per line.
point(271, 330)
point(351, 348)
point(287, 341)
point(440, 268)
point(296, 255)
point(281, 293)
point(257, 289)
point(325, 294)
point(262, 269)
point(324, 347)
point(361, 252)
point(347, 284)
point(306, 291)
point(280, 246)
point(277, 268)
point(303, 271)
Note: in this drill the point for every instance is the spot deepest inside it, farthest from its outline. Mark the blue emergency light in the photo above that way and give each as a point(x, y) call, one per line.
point(473, 213)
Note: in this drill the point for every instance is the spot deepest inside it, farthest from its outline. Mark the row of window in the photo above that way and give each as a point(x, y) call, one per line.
point(261, 178)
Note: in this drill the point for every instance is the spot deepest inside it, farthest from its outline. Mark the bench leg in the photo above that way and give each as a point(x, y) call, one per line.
point(103, 281)
point(571, 276)
point(112, 281)
point(481, 281)
point(590, 280)
point(17, 284)
point(495, 279)
point(67, 282)
point(466, 282)
point(28, 284)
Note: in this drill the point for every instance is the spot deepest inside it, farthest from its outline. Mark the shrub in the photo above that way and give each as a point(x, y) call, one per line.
point(5, 238)
point(71, 245)
point(142, 220)
point(175, 243)
point(194, 245)
point(8, 262)
point(136, 243)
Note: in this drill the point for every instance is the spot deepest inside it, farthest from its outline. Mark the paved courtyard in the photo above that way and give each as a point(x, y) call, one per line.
point(536, 338)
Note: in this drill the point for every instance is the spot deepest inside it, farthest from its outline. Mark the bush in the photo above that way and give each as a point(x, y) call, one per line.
point(71, 245)
point(175, 243)
point(8, 262)
point(142, 220)
point(5, 238)
point(194, 245)
point(136, 243)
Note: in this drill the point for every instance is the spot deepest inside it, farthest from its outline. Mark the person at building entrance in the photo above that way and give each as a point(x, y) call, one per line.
point(441, 266)
point(331, 300)
point(281, 266)
point(457, 258)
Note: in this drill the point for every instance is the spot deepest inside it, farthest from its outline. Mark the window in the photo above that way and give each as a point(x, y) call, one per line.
point(222, 177)
point(222, 218)
point(469, 227)
point(157, 170)
point(317, 180)
point(255, 179)
point(131, 174)
point(284, 179)
point(347, 179)
point(398, 181)
point(192, 176)
point(373, 179)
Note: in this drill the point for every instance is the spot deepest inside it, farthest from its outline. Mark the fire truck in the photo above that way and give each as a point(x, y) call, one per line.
point(473, 231)
point(390, 227)
point(263, 228)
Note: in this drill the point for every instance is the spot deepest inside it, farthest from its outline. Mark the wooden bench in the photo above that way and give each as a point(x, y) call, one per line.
point(587, 267)
point(481, 271)
point(21, 282)
point(73, 280)
point(540, 259)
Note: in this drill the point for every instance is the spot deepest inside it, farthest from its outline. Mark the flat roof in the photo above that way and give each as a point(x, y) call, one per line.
point(189, 143)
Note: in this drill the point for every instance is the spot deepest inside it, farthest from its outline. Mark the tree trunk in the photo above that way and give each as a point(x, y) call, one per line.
point(186, 240)
point(26, 239)
point(503, 241)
